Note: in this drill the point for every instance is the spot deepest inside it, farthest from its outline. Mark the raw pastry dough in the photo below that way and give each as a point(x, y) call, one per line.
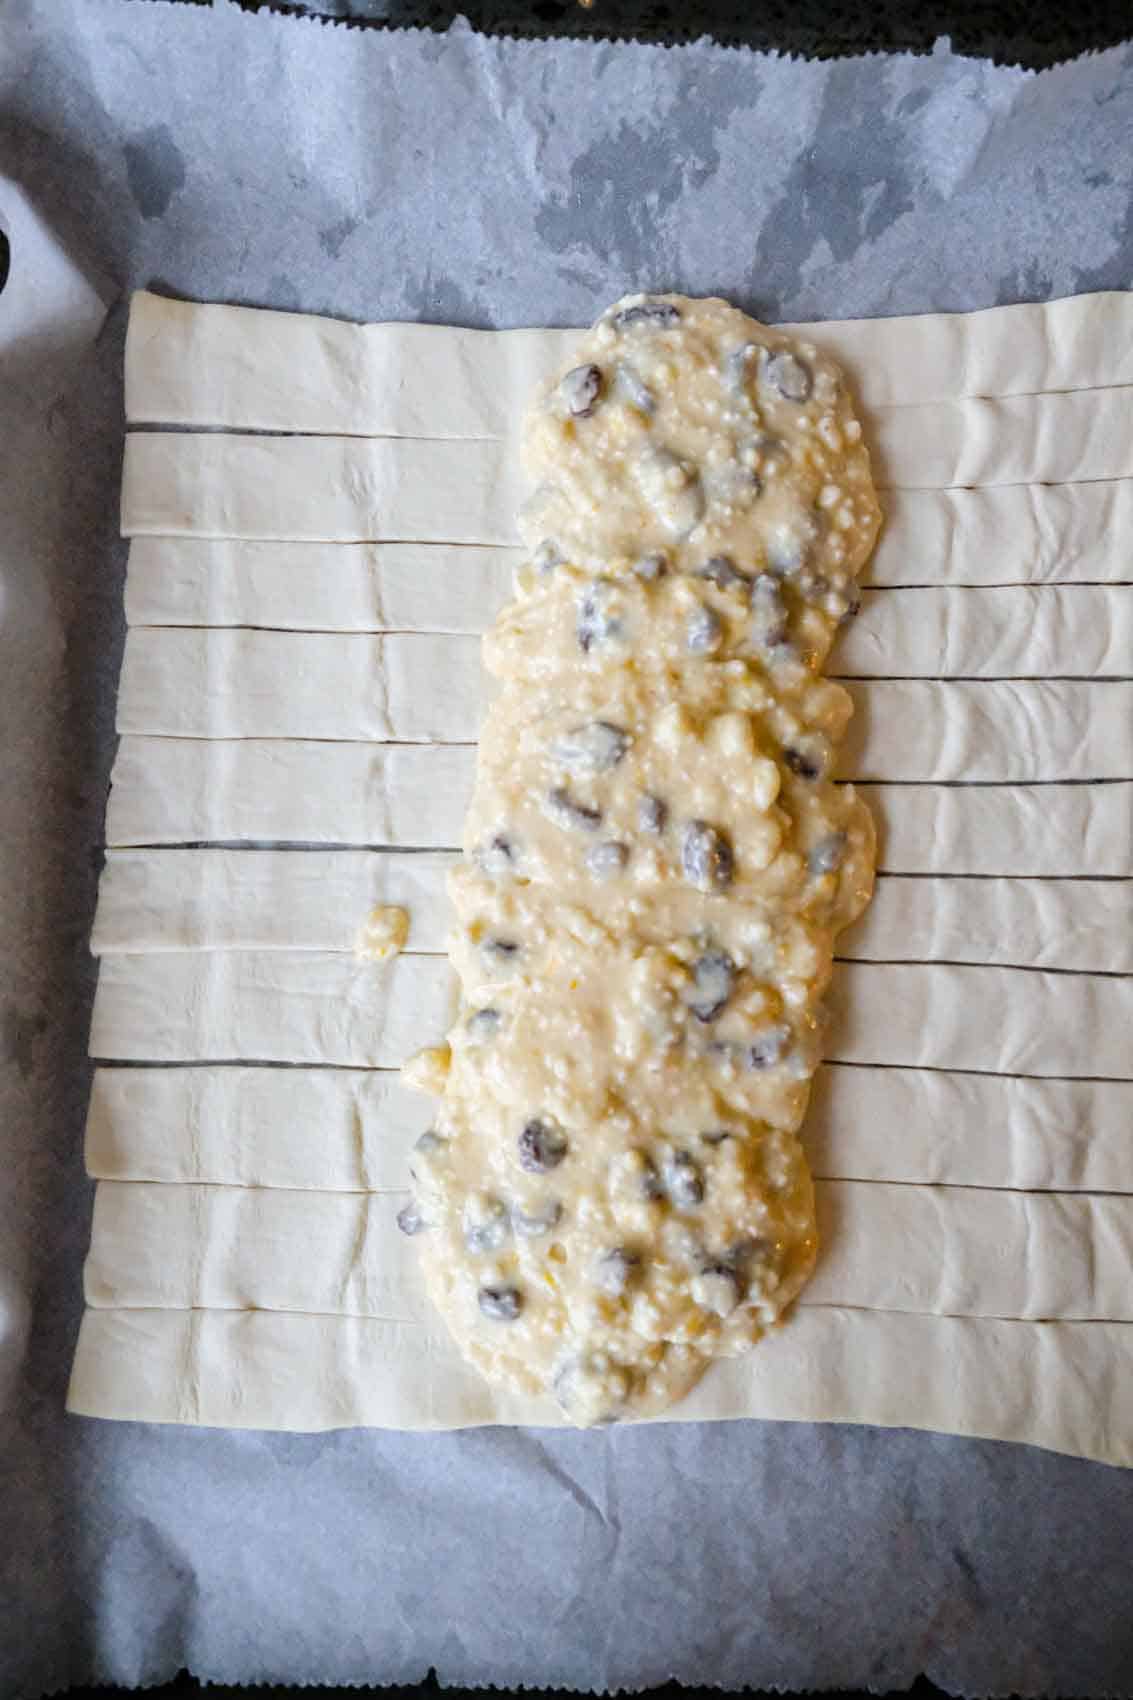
point(327, 489)
point(226, 684)
point(375, 489)
point(1056, 1383)
point(1015, 632)
point(1062, 1385)
point(343, 1129)
point(247, 369)
point(188, 790)
point(223, 684)
point(1083, 631)
point(1025, 533)
point(309, 900)
point(264, 900)
point(336, 587)
point(306, 1007)
point(350, 1130)
point(267, 1006)
point(191, 790)
point(1041, 831)
point(1007, 732)
point(947, 1251)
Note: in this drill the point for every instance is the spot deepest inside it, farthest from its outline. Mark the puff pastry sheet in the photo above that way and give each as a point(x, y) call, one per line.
point(302, 672)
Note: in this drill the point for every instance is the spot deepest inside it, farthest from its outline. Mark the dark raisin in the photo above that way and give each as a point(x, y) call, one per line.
point(706, 856)
point(652, 814)
point(651, 1187)
point(615, 1270)
point(606, 860)
point(597, 623)
point(715, 978)
point(647, 315)
point(787, 375)
point(593, 748)
point(542, 1147)
point(721, 571)
point(705, 632)
point(805, 766)
point(530, 1225)
point(851, 610)
point(580, 389)
point(715, 1136)
point(564, 811)
point(410, 1219)
point(652, 566)
point(684, 1182)
point(826, 856)
point(768, 1048)
point(502, 1304)
point(499, 950)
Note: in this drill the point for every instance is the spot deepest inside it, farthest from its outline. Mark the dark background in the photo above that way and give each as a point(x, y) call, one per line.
point(1034, 33)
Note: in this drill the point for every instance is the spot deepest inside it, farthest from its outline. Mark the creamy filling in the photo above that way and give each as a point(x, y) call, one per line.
point(656, 865)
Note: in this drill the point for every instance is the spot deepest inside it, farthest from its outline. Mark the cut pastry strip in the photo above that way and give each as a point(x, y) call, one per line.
point(1060, 1385)
point(228, 1248)
point(345, 1130)
point(1025, 533)
point(258, 370)
point(270, 1006)
point(337, 587)
point(995, 1020)
point(375, 489)
point(251, 369)
point(1075, 925)
point(350, 1130)
point(306, 1007)
point(1030, 830)
point(980, 1130)
point(1012, 534)
point(947, 1251)
point(1062, 631)
point(235, 683)
point(188, 790)
point(1013, 632)
point(1004, 732)
point(327, 489)
point(1082, 342)
point(168, 900)
point(265, 899)
point(1074, 436)
point(238, 684)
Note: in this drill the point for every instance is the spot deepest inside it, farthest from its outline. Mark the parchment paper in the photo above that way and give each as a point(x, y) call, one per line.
point(287, 163)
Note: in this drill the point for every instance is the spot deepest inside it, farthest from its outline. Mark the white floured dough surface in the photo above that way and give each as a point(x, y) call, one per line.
point(350, 1130)
point(167, 900)
point(1056, 1384)
point(952, 1074)
point(939, 1251)
point(251, 370)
